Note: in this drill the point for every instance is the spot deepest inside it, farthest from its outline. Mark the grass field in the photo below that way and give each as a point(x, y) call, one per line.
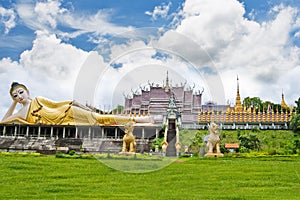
point(48, 177)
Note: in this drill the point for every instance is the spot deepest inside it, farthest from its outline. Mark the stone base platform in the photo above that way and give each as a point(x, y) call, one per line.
point(126, 153)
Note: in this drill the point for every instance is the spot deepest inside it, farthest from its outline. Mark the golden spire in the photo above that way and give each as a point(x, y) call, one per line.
point(283, 104)
point(238, 105)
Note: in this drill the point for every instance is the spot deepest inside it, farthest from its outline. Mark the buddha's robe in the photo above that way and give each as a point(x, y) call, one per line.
point(45, 111)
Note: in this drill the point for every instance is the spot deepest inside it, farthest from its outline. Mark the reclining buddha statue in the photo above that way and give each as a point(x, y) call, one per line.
point(40, 110)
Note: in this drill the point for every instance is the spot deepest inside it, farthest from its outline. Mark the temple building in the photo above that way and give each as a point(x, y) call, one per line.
point(154, 101)
point(242, 117)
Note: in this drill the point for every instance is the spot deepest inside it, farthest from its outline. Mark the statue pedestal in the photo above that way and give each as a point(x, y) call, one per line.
point(126, 153)
point(214, 155)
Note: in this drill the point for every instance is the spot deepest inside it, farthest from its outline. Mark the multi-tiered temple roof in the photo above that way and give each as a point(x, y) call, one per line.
point(155, 100)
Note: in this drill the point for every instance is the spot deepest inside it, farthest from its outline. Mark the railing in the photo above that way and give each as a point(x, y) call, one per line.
point(235, 126)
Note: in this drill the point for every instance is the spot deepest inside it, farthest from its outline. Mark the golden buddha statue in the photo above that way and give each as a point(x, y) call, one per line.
point(40, 110)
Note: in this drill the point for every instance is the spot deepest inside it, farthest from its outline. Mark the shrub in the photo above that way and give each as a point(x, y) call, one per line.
point(244, 150)
point(157, 141)
point(72, 152)
point(255, 129)
point(272, 152)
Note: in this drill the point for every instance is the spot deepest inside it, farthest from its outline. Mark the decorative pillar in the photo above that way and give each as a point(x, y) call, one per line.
point(202, 117)
point(69, 132)
point(282, 115)
point(102, 132)
point(164, 147)
point(64, 132)
point(236, 116)
point(277, 116)
point(166, 130)
point(51, 132)
point(178, 148)
point(226, 117)
point(76, 132)
point(177, 134)
point(4, 130)
point(27, 131)
point(143, 132)
point(116, 133)
point(16, 129)
point(39, 131)
point(89, 133)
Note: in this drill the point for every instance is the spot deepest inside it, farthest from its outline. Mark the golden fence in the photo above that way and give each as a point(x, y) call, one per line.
point(245, 116)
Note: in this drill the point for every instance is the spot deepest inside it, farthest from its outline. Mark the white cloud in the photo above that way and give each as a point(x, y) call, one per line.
point(216, 38)
point(49, 14)
point(49, 69)
point(159, 11)
point(212, 38)
point(97, 24)
point(262, 52)
point(52, 57)
point(7, 17)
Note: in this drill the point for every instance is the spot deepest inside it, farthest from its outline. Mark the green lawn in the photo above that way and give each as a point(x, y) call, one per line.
point(47, 177)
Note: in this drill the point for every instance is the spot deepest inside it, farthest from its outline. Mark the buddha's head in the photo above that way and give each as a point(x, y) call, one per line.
point(19, 93)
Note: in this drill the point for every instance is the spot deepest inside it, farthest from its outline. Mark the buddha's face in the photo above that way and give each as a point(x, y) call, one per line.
point(20, 95)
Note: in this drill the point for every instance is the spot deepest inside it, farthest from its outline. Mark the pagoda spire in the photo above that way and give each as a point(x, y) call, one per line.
point(167, 86)
point(283, 104)
point(238, 105)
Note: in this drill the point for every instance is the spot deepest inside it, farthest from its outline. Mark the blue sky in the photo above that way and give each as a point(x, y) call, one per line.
point(122, 13)
point(46, 43)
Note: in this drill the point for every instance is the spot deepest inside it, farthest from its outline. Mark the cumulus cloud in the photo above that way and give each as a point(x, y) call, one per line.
point(50, 68)
point(65, 58)
point(262, 52)
point(7, 18)
point(211, 43)
point(159, 11)
point(49, 14)
point(220, 42)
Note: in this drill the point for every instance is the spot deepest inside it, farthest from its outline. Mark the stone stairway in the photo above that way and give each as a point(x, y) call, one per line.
point(171, 149)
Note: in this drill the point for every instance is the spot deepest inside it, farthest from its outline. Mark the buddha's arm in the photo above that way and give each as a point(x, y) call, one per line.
point(144, 119)
point(75, 103)
point(9, 113)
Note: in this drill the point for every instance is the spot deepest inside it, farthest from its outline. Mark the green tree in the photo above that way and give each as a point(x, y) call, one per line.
point(249, 141)
point(118, 109)
point(197, 143)
point(295, 121)
point(157, 141)
point(295, 124)
point(257, 103)
point(254, 102)
point(298, 106)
